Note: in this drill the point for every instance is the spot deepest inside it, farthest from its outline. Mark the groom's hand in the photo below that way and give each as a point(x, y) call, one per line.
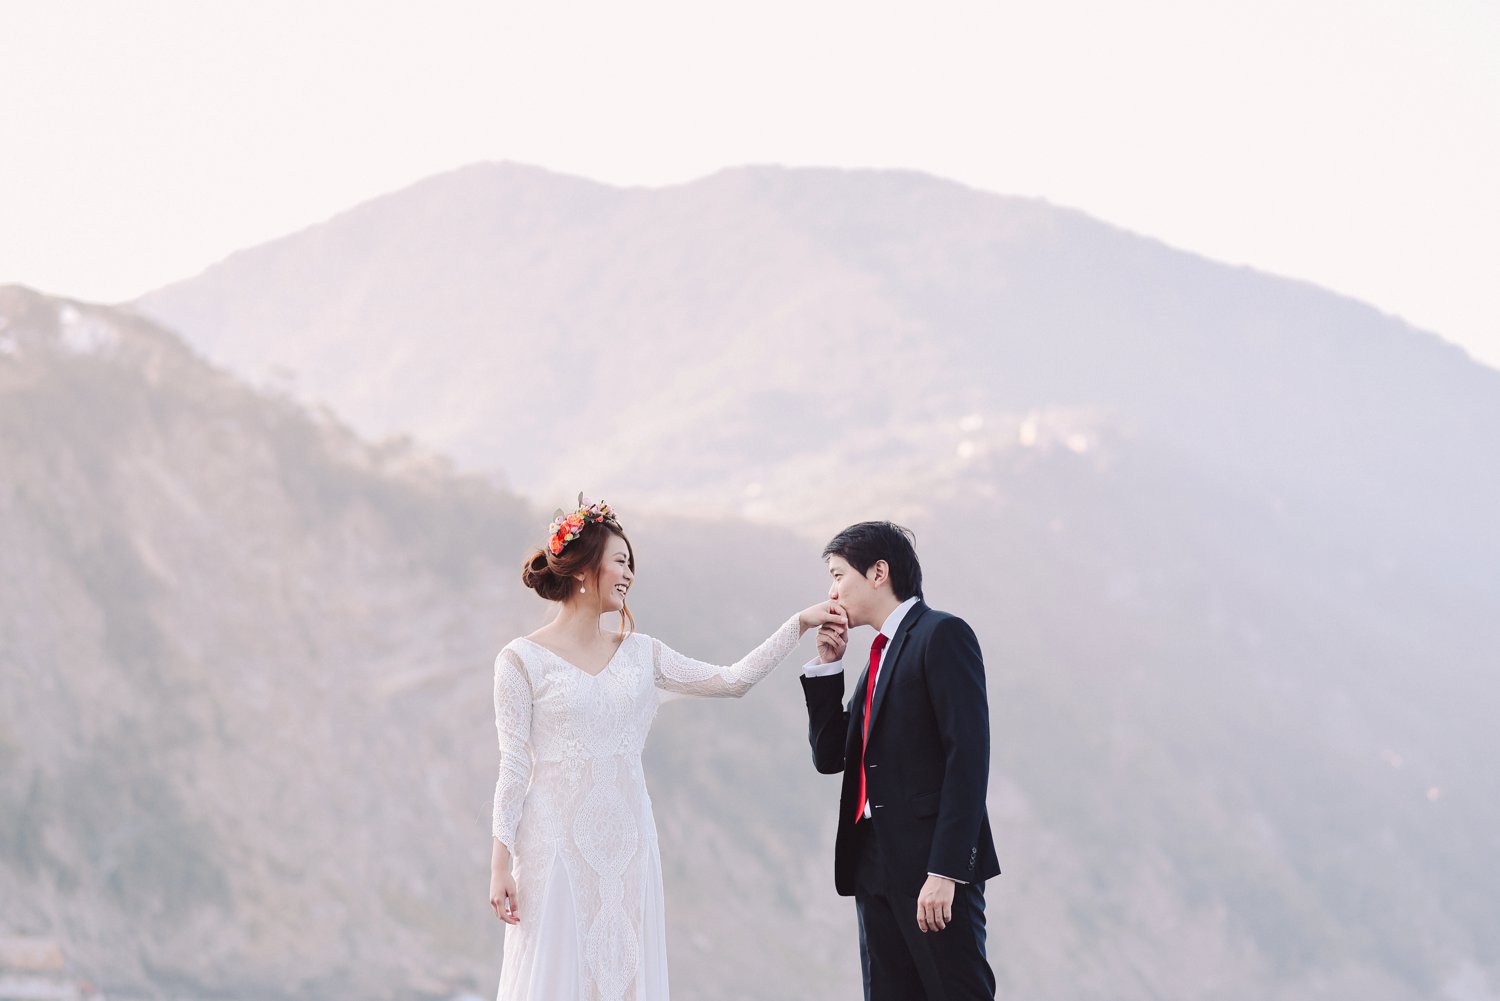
point(935, 903)
point(832, 640)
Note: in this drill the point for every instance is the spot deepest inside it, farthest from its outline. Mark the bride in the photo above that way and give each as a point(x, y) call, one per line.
point(576, 869)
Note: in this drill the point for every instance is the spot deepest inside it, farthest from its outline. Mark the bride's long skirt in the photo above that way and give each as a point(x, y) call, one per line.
point(593, 921)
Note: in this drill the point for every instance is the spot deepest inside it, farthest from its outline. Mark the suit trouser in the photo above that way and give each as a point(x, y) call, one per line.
point(900, 962)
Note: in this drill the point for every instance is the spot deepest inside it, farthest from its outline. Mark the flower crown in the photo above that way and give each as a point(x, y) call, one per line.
point(567, 527)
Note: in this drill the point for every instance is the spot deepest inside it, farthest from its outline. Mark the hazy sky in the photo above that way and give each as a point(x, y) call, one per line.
point(1351, 143)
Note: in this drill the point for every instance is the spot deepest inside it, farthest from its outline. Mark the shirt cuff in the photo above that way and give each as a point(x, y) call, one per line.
point(812, 669)
point(960, 882)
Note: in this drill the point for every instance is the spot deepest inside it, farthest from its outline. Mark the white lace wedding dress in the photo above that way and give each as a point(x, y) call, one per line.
point(571, 805)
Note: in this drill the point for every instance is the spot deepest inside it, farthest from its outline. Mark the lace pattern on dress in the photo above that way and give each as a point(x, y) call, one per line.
point(686, 676)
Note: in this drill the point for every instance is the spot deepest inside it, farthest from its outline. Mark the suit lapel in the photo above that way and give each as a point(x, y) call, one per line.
point(893, 659)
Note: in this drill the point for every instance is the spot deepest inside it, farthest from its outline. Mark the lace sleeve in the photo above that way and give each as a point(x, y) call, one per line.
point(685, 676)
point(513, 726)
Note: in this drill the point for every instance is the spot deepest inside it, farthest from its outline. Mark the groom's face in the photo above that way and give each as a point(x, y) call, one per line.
point(853, 590)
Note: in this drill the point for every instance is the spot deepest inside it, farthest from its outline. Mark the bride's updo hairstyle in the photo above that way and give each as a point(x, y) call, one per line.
point(576, 546)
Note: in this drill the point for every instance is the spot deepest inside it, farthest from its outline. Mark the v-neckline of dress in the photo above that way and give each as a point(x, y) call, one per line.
point(592, 674)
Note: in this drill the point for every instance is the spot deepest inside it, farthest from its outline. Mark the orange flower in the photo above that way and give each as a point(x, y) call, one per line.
point(567, 527)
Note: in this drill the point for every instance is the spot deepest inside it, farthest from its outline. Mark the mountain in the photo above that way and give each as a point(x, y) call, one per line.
point(1227, 541)
point(741, 340)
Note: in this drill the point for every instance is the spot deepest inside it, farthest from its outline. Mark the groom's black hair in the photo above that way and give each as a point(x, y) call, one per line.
point(864, 544)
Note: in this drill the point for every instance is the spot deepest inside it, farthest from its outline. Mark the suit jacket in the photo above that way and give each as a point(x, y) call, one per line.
point(928, 756)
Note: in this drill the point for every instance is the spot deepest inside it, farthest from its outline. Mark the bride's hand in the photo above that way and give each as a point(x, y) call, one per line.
point(503, 898)
point(824, 613)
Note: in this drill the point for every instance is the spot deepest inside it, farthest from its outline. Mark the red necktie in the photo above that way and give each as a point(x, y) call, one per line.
point(875, 649)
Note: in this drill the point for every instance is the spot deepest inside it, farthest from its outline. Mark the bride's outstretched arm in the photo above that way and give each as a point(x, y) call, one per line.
point(686, 676)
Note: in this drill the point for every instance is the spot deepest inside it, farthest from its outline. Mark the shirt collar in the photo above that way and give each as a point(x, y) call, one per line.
point(893, 621)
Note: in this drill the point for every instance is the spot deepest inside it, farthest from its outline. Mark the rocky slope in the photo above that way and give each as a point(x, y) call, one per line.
point(223, 623)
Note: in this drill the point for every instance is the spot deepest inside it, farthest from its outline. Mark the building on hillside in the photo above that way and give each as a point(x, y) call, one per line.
point(33, 969)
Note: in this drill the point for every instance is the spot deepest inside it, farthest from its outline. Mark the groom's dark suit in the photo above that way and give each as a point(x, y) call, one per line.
point(927, 766)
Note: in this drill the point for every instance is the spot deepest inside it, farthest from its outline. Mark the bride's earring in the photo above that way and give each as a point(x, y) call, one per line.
point(583, 590)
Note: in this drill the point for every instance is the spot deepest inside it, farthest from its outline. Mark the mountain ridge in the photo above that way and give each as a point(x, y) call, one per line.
point(790, 274)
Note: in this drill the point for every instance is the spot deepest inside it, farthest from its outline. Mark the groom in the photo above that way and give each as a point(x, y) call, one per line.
point(914, 845)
